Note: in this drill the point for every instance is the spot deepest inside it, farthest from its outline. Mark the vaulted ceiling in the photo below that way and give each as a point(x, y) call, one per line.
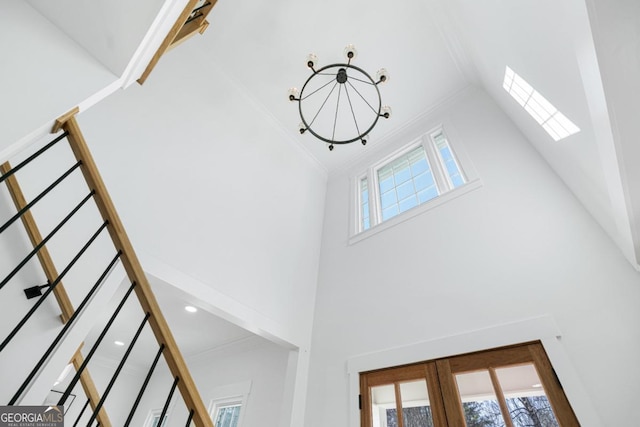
point(582, 55)
point(434, 49)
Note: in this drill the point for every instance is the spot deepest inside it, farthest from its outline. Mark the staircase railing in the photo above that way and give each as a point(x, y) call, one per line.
point(124, 254)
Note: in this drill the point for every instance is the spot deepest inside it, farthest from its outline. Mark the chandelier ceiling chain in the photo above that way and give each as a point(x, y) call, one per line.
point(364, 104)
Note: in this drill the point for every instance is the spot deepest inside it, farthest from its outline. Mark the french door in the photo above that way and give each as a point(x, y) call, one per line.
point(507, 387)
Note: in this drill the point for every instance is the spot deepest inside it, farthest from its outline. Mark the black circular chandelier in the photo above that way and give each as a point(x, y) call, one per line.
point(338, 88)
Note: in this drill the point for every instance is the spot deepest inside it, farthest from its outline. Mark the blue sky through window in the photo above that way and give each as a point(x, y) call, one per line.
point(415, 175)
point(451, 166)
point(405, 183)
point(364, 204)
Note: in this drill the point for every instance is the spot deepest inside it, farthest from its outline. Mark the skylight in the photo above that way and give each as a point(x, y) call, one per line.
point(547, 116)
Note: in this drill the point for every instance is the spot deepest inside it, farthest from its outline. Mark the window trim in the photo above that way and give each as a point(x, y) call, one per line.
point(542, 328)
point(442, 179)
point(156, 413)
point(227, 395)
point(218, 404)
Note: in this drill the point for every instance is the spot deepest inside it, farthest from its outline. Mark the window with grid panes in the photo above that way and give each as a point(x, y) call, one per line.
point(227, 416)
point(421, 172)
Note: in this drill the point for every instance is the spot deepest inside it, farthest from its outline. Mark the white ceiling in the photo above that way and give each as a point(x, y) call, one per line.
point(263, 47)
point(195, 333)
point(579, 54)
point(433, 49)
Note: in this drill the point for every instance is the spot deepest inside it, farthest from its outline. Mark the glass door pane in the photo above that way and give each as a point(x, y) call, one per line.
point(479, 401)
point(526, 399)
point(416, 410)
point(383, 406)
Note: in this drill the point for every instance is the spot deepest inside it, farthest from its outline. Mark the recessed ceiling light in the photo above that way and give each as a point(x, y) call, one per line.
point(190, 309)
point(537, 385)
point(119, 343)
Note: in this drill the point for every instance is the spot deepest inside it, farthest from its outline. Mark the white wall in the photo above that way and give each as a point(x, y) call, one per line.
point(617, 40)
point(560, 63)
point(253, 360)
point(231, 203)
point(44, 73)
point(519, 247)
point(110, 30)
point(252, 363)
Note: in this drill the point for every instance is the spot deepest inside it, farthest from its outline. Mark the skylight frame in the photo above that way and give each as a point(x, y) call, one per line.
point(556, 124)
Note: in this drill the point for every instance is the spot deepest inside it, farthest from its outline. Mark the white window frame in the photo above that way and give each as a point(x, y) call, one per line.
point(155, 413)
point(232, 394)
point(223, 403)
point(442, 179)
point(556, 124)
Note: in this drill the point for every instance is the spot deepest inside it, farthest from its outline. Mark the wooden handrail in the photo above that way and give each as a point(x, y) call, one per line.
point(179, 32)
point(50, 271)
point(89, 388)
point(166, 43)
point(134, 270)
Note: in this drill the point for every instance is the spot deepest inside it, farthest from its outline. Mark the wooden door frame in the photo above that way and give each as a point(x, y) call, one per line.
point(445, 402)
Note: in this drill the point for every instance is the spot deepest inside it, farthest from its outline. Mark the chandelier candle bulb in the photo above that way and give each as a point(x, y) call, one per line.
point(312, 60)
point(350, 52)
point(294, 94)
point(383, 75)
point(386, 112)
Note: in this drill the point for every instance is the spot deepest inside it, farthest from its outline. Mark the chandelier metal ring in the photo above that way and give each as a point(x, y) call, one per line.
point(341, 78)
point(346, 78)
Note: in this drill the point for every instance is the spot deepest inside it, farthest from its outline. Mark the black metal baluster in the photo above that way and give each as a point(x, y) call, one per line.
point(52, 287)
point(120, 365)
point(81, 412)
point(46, 239)
point(39, 197)
point(66, 327)
point(75, 379)
point(33, 156)
point(188, 424)
point(168, 401)
point(144, 386)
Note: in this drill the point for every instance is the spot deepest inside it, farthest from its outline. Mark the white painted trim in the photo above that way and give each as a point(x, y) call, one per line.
point(220, 304)
point(99, 95)
point(543, 328)
point(294, 398)
point(148, 422)
point(435, 163)
point(434, 115)
point(605, 128)
point(42, 134)
point(425, 139)
point(418, 210)
point(446, 24)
